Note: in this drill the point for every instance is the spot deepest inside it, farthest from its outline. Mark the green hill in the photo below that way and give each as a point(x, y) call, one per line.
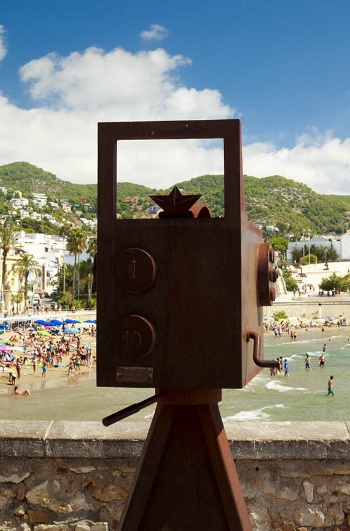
point(277, 201)
point(287, 204)
point(29, 179)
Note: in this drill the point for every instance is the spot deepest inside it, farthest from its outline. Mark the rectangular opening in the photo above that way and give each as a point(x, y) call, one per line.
point(153, 167)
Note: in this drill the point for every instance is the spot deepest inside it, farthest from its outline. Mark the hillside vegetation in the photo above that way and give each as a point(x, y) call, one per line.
point(276, 201)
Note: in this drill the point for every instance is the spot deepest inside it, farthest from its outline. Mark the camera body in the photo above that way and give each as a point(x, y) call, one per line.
point(178, 297)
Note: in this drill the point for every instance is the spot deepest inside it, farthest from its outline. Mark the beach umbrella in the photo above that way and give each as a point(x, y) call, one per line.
point(43, 333)
point(72, 331)
point(9, 347)
point(71, 321)
point(5, 342)
point(42, 322)
point(90, 321)
point(55, 322)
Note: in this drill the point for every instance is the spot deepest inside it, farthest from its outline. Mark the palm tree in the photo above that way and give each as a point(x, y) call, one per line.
point(86, 274)
point(65, 277)
point(17, 298)
point(23, 267)
point(92, 251)
point(92, 247)
point(76, 243)
point(8, 240)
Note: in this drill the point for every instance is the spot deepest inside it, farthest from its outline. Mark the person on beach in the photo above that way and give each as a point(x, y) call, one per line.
point(286, 369)
point(34, 364)
point(307, 361)
point(330, 386)
point(44, 369)
point(17, 392)
point(273, 370)
point(18, 367)
point(281, 365)
point(322, 361)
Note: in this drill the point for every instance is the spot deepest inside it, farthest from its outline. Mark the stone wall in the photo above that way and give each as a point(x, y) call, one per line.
point(301, 306)
point(65, 476)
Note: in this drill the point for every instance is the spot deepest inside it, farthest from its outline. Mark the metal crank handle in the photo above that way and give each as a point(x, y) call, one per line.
point(130, 410)
point(257, 350)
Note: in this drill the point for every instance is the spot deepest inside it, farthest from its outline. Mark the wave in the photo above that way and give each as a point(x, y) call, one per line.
point(275, 386)
point(254, 414)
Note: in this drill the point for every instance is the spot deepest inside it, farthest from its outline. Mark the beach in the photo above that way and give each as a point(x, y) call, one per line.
point(302, 396)
point(72, 361)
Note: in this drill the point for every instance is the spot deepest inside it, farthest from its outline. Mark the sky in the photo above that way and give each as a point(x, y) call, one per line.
point(280, 66)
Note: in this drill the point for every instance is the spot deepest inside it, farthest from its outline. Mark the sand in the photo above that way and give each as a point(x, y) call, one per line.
point(58, 373)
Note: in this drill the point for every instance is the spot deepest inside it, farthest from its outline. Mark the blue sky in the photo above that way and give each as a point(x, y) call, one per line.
point(281, 66)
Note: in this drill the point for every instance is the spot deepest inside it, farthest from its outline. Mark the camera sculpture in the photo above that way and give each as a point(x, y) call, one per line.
point(180, 309)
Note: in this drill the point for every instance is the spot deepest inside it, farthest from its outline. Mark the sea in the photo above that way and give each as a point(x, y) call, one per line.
point(301, 396)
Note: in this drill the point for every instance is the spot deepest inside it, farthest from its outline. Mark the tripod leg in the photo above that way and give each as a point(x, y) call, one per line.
point(186, 480)
point(224, 468)
point(150, 458)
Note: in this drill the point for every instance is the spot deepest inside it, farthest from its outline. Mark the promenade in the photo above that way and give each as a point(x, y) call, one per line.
point(309, 304)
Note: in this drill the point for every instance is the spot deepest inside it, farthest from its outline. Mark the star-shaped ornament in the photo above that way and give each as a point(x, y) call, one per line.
point(175, 205)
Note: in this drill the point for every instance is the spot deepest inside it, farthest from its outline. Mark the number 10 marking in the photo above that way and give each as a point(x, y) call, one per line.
point(132, 340)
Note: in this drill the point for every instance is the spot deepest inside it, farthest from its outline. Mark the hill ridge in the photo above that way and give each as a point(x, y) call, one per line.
point(274, 200)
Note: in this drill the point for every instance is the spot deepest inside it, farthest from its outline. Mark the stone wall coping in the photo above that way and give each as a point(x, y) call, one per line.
point(248, 440)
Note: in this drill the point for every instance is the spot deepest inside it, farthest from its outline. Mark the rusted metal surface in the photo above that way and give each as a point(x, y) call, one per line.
point(257, 350)
point(187, 480)
point(176, 295)
point(179, 300)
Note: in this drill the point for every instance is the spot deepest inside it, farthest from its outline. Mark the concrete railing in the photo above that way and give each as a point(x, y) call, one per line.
point(77, 475)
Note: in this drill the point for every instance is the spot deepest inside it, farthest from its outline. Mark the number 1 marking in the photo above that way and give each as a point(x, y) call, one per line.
point(131, 269)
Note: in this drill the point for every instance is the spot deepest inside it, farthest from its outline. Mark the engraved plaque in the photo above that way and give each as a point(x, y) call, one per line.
point(141, 375)
point(134, 337)
point(135, 270)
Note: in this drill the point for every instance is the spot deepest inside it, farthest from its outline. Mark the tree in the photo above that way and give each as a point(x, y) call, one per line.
point(345, 283)
point(8, 241)
point(291, 284)
point(332, 282)
point(279, 244)
point(23, 267)
point(65, 277)
point(76, 243)
point(280, 315)
point(17, 298)
point(296, 254)
point(308, 259)
point(92, 247)
point(86, 275)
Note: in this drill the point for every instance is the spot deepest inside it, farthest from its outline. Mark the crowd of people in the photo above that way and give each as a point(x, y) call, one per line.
point(283, 365)
point(37, 350)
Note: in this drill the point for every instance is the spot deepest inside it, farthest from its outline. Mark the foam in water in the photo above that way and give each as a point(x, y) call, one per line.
point(257, 414)
point(276, 386)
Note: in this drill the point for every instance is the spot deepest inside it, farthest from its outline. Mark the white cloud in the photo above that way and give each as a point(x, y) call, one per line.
point(322, 162)
point(3, 47)
point(72, 94)
point(156, 32)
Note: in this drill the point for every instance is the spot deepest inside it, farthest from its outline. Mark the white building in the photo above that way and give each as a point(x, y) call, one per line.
point(49, 251)
point(40, 200)
point(327, 242)
point(344, 246)
point(18, 202)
